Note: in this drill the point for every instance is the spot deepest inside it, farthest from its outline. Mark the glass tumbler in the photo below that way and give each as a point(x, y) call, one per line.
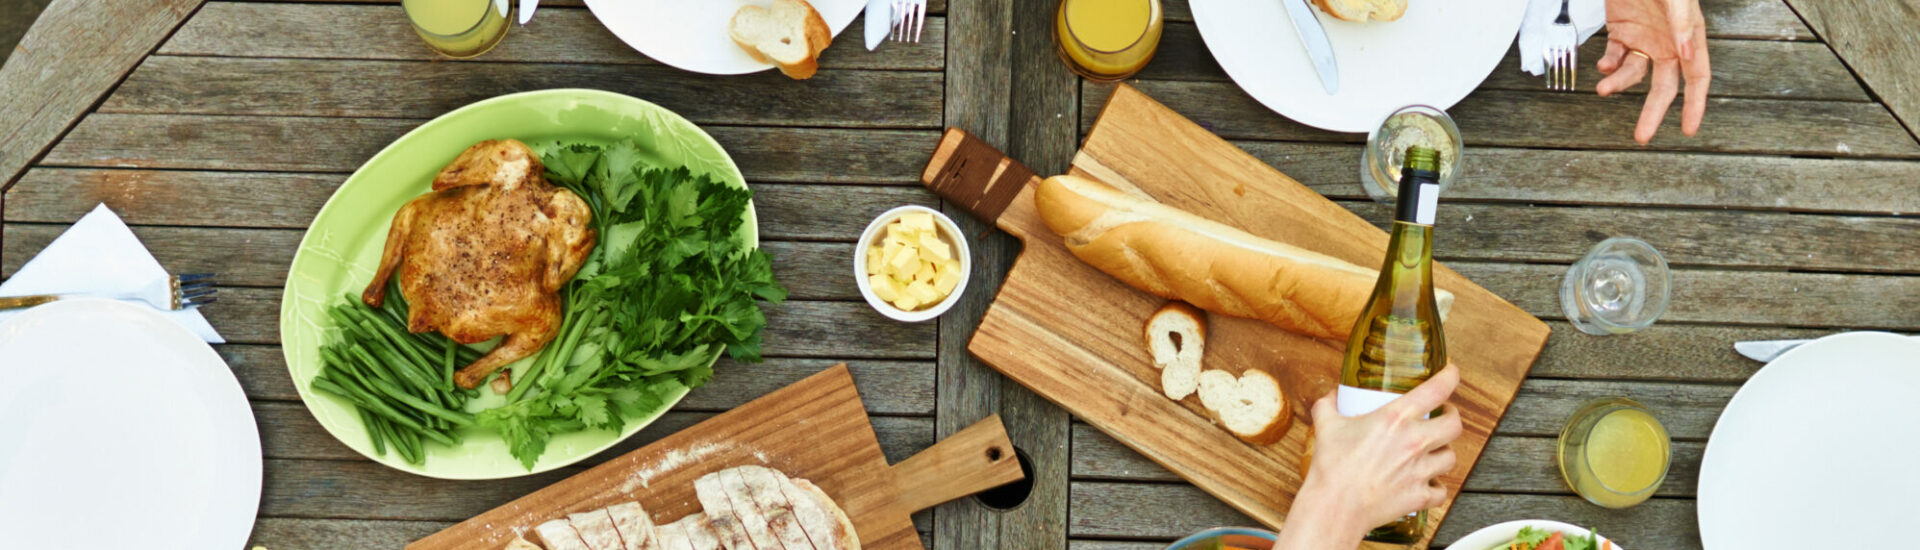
point(458, 28)
point(1619, 287)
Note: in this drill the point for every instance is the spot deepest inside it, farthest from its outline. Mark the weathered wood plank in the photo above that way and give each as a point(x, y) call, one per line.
point(418, 89)
point(1169, 511)
point(199, 142)
point(1753, 19)
point(933, 6)
point(1511, 464)
point(1664, 352)
point(1878, 41)
point(794, 329)
point(290, 200)
point(259, 257)
point(1734, 297)
point(272, 533)
point(75, 53)
point(1742, 68)
point(557, 35)
point(1623, 178)
point(1565, 120)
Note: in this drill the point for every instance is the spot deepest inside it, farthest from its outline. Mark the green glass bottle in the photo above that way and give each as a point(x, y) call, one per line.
point(1397, 342)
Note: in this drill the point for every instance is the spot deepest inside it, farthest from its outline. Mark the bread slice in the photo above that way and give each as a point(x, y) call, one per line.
point(787, 33)
point(674, 536)
point(826, 524)
point(521, 544)
point(1252, 406)
point(1363, 10)
point(744, 508)
point(1176, 255)
point(597, 530)
point(699, 535)
point(635, 526)
point(559, 535)
point(725, 521)
point(764, 484)
point(1176, 338)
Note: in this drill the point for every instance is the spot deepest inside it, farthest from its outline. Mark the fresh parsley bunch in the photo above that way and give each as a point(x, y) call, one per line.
point(671, 283)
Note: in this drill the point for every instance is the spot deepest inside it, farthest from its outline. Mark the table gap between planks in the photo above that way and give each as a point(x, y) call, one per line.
point(1787, 218)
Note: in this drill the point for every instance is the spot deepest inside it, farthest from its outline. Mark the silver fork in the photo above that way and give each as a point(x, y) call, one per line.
point(909, 18)
point(1563, 52)
point(173, 292)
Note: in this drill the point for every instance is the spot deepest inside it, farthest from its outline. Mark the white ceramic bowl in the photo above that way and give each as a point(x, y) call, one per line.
point(948, 230)
point(1499, 534)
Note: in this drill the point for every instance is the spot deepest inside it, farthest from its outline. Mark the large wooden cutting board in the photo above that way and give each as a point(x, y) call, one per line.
point(1073, 334)
point(815, 429)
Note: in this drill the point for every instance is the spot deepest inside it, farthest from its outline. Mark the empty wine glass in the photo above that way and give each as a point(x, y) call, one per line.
point(1619, 287)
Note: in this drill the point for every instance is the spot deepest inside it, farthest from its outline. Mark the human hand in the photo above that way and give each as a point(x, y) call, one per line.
point(1372, 469)
point(1667, 38)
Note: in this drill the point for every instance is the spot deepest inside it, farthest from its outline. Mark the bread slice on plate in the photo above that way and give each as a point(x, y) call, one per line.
point(1252, 407)
point(1176, 337)
point(559, 535)
point(1363, 10)
point(787, 33)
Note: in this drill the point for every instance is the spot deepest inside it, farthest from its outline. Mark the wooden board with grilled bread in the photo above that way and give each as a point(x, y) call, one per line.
point(1061, 325)
point(811, 441)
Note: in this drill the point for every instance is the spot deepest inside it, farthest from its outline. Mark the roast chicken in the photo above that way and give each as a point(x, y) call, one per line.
point(486, 253)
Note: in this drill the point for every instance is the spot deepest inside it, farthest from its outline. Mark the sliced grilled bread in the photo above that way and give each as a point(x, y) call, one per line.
point(597, 530)
point(1252, 407)
point(559, 535)
point(635, 526)
point(1176, 337)
point(787, 33)
point(1363, 10)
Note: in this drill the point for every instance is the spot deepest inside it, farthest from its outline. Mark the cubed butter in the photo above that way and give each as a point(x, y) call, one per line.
point(883, 287)
point(873, 261)
point(925, 273)
point(932, 247)
point(947, 281)
point(907, 303)
point(920, 221)
point(923, 291)
point(905, 260)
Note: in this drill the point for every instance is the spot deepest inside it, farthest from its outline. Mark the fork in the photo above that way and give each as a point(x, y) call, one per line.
point(1563, 52)
point(174, 292)
point(909, 18)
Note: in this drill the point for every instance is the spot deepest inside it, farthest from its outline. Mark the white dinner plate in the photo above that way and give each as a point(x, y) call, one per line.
point(1433, 55)
point(692, 34)
point(1818, 450)
point(121, 429)
point(1496, 536)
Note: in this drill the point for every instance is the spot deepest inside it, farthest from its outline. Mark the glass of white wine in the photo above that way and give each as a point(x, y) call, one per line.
point(1620, 286)
point(1614, 452)
point(1409, 126)
point(458, 28)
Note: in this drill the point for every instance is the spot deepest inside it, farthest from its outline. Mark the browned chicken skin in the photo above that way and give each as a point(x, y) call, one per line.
point(486, 253)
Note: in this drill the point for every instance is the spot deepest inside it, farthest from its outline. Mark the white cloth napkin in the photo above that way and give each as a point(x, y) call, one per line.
point(1588, 17)
point(98, 255)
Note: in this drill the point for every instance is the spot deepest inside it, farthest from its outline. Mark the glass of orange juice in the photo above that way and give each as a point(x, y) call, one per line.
point(458, 28)
point(1107, 40)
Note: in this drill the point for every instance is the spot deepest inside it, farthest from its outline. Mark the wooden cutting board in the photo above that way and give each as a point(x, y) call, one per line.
point(815, 429)
point(1073, 334)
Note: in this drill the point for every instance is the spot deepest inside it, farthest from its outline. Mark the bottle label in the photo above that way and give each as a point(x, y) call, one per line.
point(1352, 401)
point(1429, 197)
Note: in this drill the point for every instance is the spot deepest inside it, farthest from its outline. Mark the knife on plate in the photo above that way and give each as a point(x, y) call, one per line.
point(1766, 351)
point(1314, 37)
point(879, 20)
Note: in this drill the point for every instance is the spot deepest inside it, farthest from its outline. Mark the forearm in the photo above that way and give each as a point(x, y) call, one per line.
point(1317, 521)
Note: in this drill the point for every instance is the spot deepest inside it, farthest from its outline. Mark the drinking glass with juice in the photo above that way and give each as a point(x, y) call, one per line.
point(1614, 453)
point(457, 28)
point(1107, 39)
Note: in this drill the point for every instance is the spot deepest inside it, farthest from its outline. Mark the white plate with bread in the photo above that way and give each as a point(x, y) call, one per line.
point(1433, 53)
point(698, 35)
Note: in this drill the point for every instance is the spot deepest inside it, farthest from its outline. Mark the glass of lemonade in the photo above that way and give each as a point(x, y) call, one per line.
point(1107, 40)
point(1614, 453)
point(1387, 145)
point(458, 28)
point(1620, 286)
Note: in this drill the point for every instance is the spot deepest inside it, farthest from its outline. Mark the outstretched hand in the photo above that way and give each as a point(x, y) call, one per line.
point(1664, 38)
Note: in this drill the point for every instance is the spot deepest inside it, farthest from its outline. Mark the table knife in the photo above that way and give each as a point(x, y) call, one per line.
point(1766, 351)
point(879, 21)
point(1314, 37)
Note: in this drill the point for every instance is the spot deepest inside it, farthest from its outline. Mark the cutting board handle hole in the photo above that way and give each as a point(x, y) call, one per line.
point(1012, 495)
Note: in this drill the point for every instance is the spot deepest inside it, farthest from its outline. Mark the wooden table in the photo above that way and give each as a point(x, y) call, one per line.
point(1789, 217)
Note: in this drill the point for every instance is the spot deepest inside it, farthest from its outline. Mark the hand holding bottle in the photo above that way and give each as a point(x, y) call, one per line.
point(1375, 468)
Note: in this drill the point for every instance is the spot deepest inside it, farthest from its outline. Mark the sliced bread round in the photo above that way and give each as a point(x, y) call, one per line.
point(1363, 10)
point(1251, 406)
point(787, 33)
point(1176, 337)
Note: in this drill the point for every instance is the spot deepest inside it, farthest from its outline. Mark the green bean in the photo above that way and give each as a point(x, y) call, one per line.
point(373, 431)
point(401, 343)
point(368, 399)
point(393, 369)
point(446, 368)
point(456, 417)
point(405, 443)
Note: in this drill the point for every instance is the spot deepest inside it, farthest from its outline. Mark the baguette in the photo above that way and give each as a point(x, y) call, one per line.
point(1179, 256)
point(1362, 10)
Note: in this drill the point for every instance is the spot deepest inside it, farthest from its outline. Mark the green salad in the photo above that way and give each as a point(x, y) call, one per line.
point(672, 283)
point(1531, 538)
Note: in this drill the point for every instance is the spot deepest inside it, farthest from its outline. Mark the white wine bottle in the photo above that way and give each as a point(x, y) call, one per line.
point(1397, 343)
